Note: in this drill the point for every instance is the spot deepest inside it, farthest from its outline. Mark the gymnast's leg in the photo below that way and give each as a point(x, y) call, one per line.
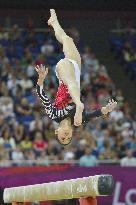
point(64, 67)
point(69, 47)
point(88, 201)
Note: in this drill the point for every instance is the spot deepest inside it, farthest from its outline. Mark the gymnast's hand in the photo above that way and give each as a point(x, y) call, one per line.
point(109, 107)
point(42, 72)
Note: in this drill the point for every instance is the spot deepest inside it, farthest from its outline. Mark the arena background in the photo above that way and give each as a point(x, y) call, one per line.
point(108, 28)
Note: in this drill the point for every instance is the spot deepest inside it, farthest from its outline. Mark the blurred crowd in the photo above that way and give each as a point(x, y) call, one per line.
point(123, 45)
point(26, 133)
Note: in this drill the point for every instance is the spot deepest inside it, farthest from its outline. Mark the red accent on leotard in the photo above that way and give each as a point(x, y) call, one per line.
point(62, 97)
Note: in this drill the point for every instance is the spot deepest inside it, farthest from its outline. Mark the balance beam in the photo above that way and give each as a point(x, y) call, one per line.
point(98, 185)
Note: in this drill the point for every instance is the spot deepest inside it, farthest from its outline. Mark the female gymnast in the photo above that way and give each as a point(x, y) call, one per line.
point(65, 115)
point(68, 69)
point(67, 108)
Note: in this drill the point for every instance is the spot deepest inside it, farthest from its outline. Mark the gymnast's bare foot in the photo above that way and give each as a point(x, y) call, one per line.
point(53, 17)
point(78, 114)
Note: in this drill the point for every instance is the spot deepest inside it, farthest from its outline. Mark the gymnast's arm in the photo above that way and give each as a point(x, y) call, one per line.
point(52, 112)
point(99, 112)
point(42, 72)
point(43, 97)
point(49, 107)
point(87, 116)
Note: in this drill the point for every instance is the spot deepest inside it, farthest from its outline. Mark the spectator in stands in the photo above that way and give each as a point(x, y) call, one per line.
point(27, 57)
point(30, 39)
point(69, 154)
point(6, 139)
point(119, 98)
point(25, 82)
point(39, 144)
point(17, 155)
point(1, 120)
point(12, 83)
point(40, 60)
point(15, 33)
point(129, 160)
point(30, 69)
point(47, 49)
point(4, 157)
point(102, 73)
point(107, 152)
point(53, 148)
point(90, 60)
point(128, 52)
point(102, 96)
point(124, 47)
point(88, 160)
point(119, 146)
point(18, 133)
point(26, 143)
point(80, 151)
point(117, 114)
point(6, 106)
point(43, 159)
point(29, 155)
point(24, 111)
point(36, 124)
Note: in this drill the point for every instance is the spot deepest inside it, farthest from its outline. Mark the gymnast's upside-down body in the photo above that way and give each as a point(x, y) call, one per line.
point(67, 108)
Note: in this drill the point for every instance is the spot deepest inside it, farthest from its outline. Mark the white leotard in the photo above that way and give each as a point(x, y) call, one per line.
point(76, 70)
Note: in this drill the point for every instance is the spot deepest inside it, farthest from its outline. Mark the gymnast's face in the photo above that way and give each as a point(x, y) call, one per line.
point(64, 134)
